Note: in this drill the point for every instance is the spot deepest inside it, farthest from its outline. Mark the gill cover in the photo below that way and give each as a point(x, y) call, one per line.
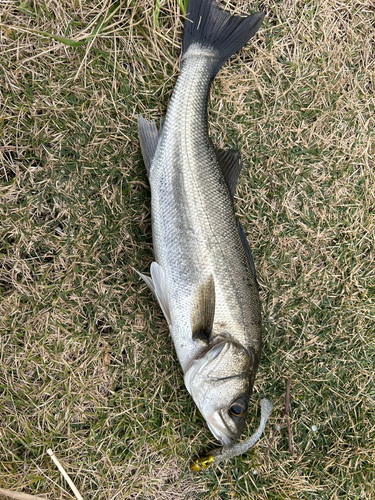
point(219, 382)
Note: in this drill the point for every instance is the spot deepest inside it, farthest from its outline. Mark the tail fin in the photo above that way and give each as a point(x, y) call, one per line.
point(209, 26)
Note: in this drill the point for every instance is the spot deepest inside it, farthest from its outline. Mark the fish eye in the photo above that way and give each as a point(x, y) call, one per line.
point(238, 408)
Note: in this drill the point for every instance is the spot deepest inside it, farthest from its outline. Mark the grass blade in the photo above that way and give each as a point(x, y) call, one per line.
point(156, 13)
point(77, 43)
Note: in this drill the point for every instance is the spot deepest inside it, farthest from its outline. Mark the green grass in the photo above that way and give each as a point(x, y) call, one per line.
point(87, 366)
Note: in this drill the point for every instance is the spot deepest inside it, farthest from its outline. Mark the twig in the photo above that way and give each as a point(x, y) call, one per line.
point(287, 397)
point(287, 419)
point(19, 496)
point(67, 478)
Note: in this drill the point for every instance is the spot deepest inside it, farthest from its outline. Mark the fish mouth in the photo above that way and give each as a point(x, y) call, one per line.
point(207, 381)
point(220, 430)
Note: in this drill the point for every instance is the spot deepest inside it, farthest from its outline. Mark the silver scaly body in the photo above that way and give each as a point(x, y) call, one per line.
point(195, 232)
point(203, 275)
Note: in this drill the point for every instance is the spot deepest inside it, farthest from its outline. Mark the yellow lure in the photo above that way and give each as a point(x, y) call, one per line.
point(202, 463)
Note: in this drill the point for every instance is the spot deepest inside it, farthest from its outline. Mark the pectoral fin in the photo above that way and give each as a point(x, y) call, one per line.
point(202, 311)
point(158, 287)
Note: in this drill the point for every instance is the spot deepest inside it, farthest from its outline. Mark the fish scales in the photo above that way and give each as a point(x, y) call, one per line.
point(194, 226)
point(203, 275)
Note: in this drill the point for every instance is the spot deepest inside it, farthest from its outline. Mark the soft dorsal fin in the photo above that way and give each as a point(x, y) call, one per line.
point(248, 252)
point(158, 286)
point(148, 137)
point(231, 164)
point(202, 311)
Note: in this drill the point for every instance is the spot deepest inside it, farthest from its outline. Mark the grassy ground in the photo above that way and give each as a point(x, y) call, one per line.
point(87, 366)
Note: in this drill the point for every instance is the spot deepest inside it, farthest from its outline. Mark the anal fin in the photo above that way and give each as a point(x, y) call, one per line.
point(148, 137)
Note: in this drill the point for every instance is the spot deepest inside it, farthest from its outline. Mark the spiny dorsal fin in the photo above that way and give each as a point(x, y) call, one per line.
point(231, 164)
point(202, 311)
point(148, 137)
point(247, 251)
point(158, 286)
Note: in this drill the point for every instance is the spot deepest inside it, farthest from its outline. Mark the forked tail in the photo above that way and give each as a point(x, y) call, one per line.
point(208, 26)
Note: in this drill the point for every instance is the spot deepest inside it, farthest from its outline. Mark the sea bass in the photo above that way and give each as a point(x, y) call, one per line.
point(203, 275)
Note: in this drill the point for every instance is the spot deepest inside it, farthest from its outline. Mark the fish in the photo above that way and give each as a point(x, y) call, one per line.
point(203, 275)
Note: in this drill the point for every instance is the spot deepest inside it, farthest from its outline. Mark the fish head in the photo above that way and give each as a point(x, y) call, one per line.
point(220, 382)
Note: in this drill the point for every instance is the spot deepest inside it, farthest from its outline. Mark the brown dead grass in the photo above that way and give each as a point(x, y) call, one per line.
point(87, 368)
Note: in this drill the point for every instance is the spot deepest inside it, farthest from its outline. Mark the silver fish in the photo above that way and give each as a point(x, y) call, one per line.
point(203, 275)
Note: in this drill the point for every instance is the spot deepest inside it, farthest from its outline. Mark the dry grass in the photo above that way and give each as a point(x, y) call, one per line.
point(87, 367)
